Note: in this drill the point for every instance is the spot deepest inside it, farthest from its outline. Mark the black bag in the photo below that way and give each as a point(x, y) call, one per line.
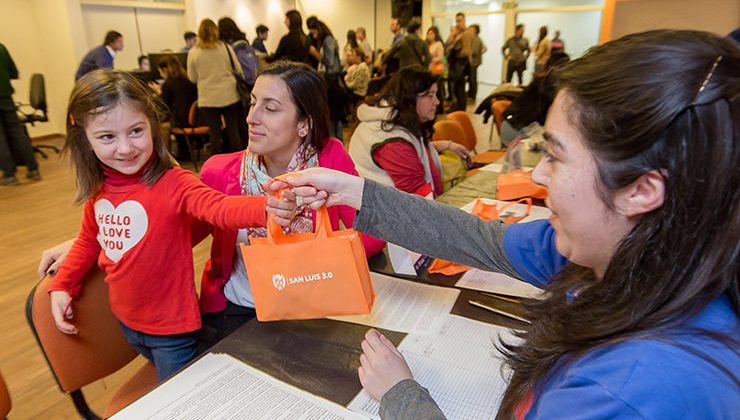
point(242, 87)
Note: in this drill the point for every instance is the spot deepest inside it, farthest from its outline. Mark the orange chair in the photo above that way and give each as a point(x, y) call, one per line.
point(4, 399)
point(483, 158)
point(498, 107)
point(98, 350)
point(450, 130)
point(192, 130)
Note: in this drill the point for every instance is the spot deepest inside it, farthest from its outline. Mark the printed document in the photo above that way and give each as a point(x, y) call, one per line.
point(406, 306)
point(219, 386)
point(488, 281)
point(460, 367)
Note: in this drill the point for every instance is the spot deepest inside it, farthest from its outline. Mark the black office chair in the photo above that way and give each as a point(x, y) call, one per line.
point(37, 104)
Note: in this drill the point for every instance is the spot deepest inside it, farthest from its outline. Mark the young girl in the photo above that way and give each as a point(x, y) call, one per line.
point(137, 216)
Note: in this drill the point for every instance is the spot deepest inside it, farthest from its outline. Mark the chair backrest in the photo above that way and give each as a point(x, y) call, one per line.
point(464, 120)
point(498, 107)
point(99, 349)
point(193, 113)
point(37, 95)
point(4, 399)
point(450, 130)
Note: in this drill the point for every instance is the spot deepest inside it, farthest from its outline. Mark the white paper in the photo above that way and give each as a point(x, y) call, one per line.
point(460, 367)
point(406, 306)
point(502, 284)
point(537, 212)
point(402, 260)
point(219, 386)
point(492, 167)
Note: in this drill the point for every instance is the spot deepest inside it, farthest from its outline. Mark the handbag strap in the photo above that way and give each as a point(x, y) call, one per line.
point(231, 60)
point(275, 232)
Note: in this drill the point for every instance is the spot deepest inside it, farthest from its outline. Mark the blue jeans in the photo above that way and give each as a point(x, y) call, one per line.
point(168, 352)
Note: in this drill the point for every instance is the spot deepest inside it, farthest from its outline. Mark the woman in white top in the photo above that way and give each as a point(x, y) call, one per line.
point(210, 68)
point(438, 65)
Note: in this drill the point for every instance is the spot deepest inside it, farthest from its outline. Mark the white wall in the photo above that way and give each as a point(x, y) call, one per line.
point(718, 16)
point(339, 15)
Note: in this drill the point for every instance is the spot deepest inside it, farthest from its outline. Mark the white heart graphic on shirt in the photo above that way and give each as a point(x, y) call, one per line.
point(120, 228)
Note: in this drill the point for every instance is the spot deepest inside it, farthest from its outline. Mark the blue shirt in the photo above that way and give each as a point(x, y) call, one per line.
point(638, 378)
point(97, 58)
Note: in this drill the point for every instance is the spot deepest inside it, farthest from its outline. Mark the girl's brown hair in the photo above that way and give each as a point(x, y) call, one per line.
point(172, 66)
point(662, 101)
point(94, 94)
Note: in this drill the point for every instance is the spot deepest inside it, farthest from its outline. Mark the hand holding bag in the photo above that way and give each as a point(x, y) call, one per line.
point(308, 275)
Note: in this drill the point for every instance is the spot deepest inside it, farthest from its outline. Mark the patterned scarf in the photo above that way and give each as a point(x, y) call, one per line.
point(253, 174)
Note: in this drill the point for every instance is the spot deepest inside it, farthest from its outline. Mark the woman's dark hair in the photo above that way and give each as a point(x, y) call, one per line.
point(543, 34)
point(308, 91)
point(172, 66)
point(352, 39)
point(400, 94)
point(94, 94)
point(229, 32)
point(664, 101)
point(435, 30)
point(323, 30)
point(413, 25)
point(295, 21)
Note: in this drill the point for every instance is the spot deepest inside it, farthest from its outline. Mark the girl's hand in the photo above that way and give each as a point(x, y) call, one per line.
point(381, 365)
point(59, 303)
point(284, 208)
point(458, 149)
point(321, 186)
point(52, 258)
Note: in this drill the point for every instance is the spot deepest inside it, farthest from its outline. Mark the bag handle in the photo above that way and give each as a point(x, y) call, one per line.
point(492, 211)
point(322, 226)
point(231, 60)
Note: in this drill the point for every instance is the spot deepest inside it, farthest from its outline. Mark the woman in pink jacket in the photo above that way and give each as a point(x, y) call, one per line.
point(288, 131)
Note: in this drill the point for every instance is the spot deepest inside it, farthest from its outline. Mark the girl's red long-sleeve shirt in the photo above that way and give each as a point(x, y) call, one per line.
point(140, 236)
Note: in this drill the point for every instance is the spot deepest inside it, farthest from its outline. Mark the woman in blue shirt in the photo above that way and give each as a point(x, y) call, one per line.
point(641, 321)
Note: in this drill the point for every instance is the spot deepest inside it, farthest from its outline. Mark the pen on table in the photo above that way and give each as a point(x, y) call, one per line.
point(498, 311)
point(504, 298)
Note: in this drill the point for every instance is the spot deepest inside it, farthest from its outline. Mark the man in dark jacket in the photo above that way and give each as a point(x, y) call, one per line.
point(101, 57)
point(13, 139)
point(411, 49)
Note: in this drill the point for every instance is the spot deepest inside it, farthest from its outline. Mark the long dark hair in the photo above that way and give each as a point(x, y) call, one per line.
point(681, 118)
point(295, 21)
point(435, 31)
point(543, 34)
point(308, 91)
point(400, 94)
point(94, 94)
point(229, 32)
point(323, 30)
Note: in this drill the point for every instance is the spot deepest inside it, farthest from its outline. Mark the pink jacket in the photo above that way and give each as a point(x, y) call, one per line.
point(221, 172)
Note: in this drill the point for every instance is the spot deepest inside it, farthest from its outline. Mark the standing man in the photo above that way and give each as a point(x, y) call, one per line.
point(411, 49)
point(101, 57)
point(364, 45)
point(12, 137)
point(395, 27)
point(459, 49)
point(259, 42)
point(190, 38)
point(476, 59)
point(557, 44)
point(516, 50)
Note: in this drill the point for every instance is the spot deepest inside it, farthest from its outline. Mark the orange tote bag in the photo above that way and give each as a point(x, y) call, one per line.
point(518, 184)
point(308, 275)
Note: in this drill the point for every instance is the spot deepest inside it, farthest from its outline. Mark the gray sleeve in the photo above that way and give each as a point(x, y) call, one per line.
point(409, 400)
point(433, 229)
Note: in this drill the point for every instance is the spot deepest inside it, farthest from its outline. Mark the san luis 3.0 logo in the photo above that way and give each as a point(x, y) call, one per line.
point(280, 281)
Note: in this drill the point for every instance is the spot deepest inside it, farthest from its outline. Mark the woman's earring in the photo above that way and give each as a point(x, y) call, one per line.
point(303, 132)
